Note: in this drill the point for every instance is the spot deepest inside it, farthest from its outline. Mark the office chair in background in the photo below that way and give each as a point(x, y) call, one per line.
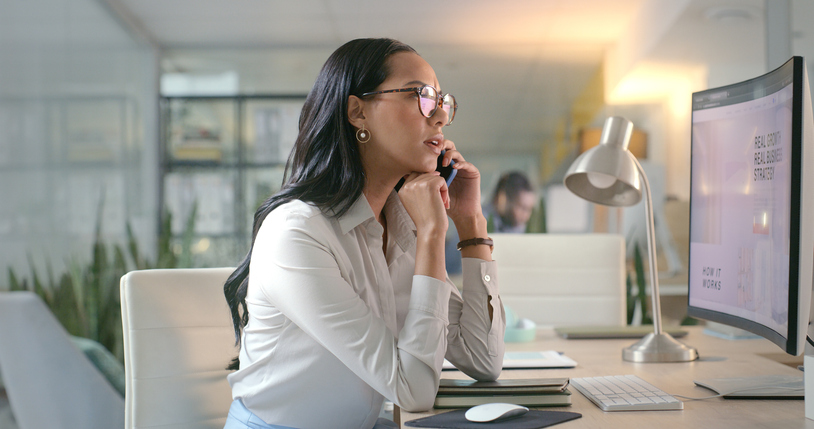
point(50, 382)
point(563, 279)
point(178, 339)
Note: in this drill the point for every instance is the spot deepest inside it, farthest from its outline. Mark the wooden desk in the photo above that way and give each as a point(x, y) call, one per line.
point(718, 358)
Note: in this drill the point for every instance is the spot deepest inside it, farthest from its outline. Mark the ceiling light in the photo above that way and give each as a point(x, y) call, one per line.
point(730, 14)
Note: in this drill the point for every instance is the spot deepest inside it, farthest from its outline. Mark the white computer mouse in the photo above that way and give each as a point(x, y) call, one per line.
point(494, 411)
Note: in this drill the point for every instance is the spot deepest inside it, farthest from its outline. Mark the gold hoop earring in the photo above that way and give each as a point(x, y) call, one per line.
point(362, 135)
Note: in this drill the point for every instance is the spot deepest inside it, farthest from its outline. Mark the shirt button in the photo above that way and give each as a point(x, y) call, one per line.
point(487, 277)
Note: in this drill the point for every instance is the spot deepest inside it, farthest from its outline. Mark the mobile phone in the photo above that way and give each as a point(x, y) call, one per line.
point(448, 173)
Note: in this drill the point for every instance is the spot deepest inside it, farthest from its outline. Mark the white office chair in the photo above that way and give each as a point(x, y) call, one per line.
point(563, 279)
point(178, 339)
point(50, 382)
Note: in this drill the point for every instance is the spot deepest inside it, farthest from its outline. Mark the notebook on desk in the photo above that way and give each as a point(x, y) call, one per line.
point(530, 392)
point(547, 359)
point(612, 332)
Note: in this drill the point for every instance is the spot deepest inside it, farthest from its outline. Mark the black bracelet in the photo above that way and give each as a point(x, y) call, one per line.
point(475, 242)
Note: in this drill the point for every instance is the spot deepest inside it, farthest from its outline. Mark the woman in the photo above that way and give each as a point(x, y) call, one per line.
point(343, 299)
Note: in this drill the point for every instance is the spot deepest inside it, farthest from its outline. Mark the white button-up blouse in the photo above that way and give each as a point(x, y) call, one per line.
point(334, 327)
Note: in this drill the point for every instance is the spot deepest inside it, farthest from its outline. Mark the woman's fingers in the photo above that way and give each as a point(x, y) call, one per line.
point(460, 163)
point(425, 196)
point(451, 153)
point(445, 195)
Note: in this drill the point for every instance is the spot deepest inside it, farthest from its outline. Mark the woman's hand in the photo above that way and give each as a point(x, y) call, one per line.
point(425, 196)
point(464, 192)
point(464, 207)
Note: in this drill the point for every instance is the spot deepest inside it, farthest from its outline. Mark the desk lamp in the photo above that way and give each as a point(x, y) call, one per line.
point(610, 175)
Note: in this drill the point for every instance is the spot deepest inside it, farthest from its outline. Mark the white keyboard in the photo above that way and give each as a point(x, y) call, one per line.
point(625, 393)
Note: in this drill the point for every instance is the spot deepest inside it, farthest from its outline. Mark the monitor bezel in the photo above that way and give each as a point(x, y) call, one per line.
point(798, 310)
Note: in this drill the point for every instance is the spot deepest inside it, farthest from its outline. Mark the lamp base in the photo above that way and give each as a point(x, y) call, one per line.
point(659, 348)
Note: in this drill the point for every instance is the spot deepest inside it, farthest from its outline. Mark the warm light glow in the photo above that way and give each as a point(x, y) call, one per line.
point(590, 23)
point(651, 83)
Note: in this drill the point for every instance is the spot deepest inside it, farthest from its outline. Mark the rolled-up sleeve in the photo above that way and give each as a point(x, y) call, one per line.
point(475, 340)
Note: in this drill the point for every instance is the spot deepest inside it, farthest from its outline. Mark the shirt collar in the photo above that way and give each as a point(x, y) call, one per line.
point(358, 213)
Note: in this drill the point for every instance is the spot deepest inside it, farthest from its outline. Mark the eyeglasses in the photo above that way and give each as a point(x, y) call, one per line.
point(428, 100)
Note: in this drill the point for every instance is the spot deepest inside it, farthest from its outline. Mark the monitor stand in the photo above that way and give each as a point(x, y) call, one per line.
point(727, 332)
point(754, 387)
point(757, 387)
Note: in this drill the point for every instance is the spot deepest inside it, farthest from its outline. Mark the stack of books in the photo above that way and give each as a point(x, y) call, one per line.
point(530, 392)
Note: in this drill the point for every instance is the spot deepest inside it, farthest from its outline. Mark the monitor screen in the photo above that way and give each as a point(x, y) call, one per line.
point(751, 256)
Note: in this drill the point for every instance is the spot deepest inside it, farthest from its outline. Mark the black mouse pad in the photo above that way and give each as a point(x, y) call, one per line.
point(531, 420)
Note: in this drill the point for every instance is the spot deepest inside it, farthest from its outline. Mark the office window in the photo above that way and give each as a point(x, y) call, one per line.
point(222, 157)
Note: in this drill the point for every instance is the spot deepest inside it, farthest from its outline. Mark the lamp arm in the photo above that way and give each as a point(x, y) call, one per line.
point(651, 251)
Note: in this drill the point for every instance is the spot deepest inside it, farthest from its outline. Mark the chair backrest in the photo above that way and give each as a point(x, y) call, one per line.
point(178, 340)
point(563, 279)
point(50, 382)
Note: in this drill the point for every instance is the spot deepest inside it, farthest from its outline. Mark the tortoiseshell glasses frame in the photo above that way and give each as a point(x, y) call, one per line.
point(428, 100)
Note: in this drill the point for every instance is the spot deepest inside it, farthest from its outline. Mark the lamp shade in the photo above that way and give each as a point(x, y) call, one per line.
point(607, 174)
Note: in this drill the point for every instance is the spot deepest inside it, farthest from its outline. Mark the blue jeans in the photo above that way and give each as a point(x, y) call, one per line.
point(241, 418)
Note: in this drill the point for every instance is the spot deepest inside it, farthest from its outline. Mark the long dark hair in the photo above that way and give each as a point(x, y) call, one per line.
point(324, 167)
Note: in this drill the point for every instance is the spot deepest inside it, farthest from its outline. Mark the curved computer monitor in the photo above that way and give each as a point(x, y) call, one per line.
point(751, 202)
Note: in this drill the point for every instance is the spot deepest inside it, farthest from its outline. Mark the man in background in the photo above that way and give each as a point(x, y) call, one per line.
point(512, 203)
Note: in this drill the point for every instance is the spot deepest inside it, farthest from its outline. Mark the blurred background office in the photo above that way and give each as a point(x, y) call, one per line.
point(144, 133)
